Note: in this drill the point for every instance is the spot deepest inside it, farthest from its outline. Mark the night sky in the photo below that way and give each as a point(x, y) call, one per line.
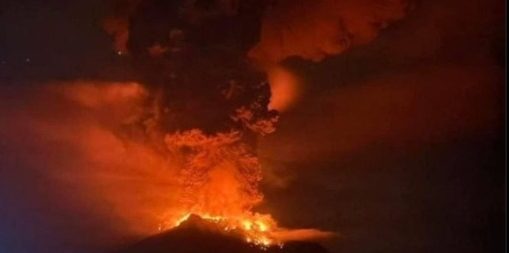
point(397, 144)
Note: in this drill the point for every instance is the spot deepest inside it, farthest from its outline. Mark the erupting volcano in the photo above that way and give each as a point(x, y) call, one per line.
point(210, 103)
point(252, 126)
point(219, 180)
point(196, 234)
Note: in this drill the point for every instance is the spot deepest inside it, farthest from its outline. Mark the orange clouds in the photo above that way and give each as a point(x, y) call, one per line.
point(285, 88)
point(84, 138)
point(316, 29)
point(429, 104)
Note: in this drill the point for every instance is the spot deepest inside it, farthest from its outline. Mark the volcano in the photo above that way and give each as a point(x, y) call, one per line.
point(197, 235)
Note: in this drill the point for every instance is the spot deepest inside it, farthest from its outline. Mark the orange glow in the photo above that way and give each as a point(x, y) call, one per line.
point(255, 228)
point(258, 229)
point(103, 139)
point(285, 89)
point(219, 179)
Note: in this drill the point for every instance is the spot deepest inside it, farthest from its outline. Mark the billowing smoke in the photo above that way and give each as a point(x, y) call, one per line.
point(316, 29)
point(207, 102)
point(203, 63)
point(181, 138)
point(214, 45)
point(409, 109)
point(96, 141)
point(191, 56)
point(206, 65)
point(211, 79)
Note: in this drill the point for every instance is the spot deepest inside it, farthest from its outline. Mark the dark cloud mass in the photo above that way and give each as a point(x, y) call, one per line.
point(316, 29)
point(400, 126)
point(191, 55)
point(394, 138)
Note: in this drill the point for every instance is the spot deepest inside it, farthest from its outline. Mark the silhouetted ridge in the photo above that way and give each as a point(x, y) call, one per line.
point(196, 235)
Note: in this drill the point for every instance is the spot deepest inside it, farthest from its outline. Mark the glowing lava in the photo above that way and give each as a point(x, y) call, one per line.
point(255, 229)
point(154, 178)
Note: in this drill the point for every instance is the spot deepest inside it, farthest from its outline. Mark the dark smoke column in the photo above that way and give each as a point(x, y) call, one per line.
point(192, 54)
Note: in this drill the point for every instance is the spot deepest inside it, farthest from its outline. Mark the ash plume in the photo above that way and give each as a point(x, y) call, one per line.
point(221, 52)
point(205, 66)
point(212, 96)
point(206, 104)
point(191, 55)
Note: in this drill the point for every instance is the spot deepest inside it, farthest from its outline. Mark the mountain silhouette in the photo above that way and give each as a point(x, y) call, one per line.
point(196, 235)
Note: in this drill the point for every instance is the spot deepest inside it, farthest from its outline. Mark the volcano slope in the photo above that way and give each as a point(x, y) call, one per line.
point(196, 235)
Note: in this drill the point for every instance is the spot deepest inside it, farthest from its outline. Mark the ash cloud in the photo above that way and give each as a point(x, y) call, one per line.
point(68, 170)
point(425, 105)
point(209, 47)
point(435, 77)
point(191, 57)
point(432, 79)
point(314, 30)
point(97, 157)
point(403, 134)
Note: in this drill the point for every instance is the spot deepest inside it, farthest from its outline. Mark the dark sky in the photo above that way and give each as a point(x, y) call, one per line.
point(398, 145)
point(55, 39)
